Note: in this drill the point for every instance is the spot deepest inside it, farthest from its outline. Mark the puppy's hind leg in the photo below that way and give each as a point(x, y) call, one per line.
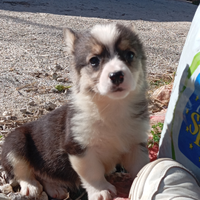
point(24, 174)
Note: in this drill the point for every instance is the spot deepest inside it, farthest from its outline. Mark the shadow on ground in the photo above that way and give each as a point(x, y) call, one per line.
point(148, 10)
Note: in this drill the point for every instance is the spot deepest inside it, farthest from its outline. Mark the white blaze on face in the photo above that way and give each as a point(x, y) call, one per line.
point(106, 34)
point(105, 85)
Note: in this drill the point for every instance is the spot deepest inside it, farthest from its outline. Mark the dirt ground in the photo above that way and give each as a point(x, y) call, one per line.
point(32, 61)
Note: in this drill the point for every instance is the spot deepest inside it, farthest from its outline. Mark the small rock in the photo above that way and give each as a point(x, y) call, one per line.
point(23, 110)
point(37, 74)
point(61, 79)
point(6, 113)
point(39, 112)
point(66, 79)
point(45, 60)
point(8, 117)
point(50, 106)
point(54, 75)
point(32, 103)
point(4, 132)
point(54, 90)
point(2, 122)
point(29, 113)
point(13, 117)
point(58, 67)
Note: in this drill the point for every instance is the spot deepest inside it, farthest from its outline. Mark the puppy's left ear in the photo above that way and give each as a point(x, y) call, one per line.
point(69, 39)
point(132, 26)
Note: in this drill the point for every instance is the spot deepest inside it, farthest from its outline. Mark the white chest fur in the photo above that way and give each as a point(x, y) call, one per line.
point(108, 127)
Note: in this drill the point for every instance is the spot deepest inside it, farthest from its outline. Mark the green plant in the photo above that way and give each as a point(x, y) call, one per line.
point(160, 82)
point(156, 130)
point(62, 88)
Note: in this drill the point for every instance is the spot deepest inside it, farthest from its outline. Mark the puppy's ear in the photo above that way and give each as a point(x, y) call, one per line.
point(69, 39)
point(132, 26)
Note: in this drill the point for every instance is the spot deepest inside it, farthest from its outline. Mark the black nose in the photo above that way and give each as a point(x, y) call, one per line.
point(116, 77)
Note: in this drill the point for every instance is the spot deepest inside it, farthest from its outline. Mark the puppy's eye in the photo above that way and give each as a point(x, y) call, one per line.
point(94, 61)
point(129, 56)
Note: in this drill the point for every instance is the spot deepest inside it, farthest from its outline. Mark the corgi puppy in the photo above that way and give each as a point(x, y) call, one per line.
point(104, 123)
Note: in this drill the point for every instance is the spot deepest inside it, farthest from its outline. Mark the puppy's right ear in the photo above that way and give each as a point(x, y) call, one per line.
point(69, 39)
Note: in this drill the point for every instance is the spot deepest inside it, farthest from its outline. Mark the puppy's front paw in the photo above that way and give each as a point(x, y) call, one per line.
point(31, 188)
point(107, 194)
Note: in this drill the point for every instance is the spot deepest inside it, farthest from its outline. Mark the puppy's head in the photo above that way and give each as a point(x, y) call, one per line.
point(109, 60)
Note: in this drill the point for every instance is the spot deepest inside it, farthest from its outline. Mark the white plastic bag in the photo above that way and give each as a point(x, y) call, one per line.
point(180, 138)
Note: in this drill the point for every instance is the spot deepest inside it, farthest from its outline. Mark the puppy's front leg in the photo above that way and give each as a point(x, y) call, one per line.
point(91, 171)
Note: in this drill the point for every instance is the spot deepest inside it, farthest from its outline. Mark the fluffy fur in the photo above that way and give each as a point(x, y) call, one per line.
point(105, 122)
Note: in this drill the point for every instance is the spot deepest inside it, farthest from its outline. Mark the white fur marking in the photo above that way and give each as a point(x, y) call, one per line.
point(24, 175)
point(106, 34)
point(104, 123)
point(31, 188)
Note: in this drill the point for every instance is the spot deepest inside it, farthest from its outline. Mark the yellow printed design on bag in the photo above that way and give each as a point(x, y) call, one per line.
point(189, 135)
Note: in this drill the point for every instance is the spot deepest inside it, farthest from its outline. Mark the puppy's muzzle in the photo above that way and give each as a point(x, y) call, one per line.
point(116, 77)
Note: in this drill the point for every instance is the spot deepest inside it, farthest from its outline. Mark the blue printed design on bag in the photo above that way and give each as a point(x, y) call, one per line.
point(189, 136)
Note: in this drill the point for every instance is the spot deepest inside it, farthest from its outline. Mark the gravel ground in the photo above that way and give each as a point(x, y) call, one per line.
point(32, 61)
